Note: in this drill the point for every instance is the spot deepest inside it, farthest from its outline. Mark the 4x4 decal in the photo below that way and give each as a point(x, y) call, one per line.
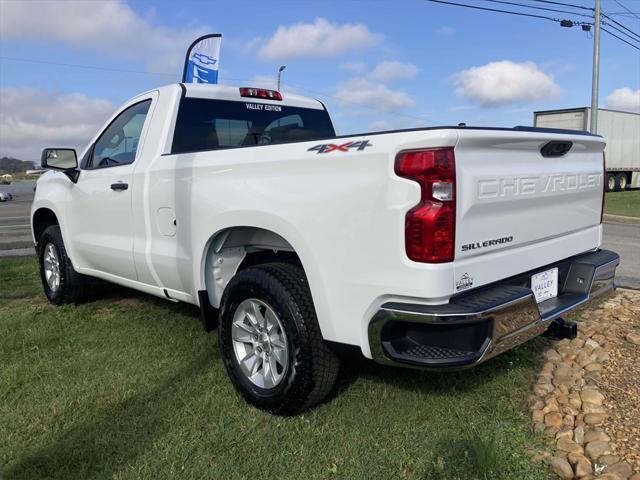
point(345, 147)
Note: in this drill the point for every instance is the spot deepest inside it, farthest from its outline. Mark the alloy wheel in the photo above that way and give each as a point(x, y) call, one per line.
point(260, 343)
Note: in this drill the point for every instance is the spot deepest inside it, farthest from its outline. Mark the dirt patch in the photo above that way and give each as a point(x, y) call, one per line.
point(620, 379)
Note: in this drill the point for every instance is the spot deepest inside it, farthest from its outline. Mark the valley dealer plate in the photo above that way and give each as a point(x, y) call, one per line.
point(545, 285)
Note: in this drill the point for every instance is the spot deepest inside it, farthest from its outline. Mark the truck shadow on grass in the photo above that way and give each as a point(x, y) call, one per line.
point(525, 357)
point(115, 436)
point(355, 366)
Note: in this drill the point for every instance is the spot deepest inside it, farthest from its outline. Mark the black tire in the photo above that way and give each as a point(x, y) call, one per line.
point(312, 368)
point(71, 287)
point(611, 184)
point(621, 182)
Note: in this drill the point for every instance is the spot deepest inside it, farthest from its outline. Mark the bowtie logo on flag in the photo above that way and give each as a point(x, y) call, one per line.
point(202, 60)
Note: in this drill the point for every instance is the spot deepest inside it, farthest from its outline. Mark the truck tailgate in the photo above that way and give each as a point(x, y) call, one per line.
point(511, 198)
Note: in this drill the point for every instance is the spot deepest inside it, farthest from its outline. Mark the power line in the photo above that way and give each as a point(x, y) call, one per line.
point(623, 6)
point(549, 18)
point(621, 39)
point(557, 20)
point(539, 8)
point(622, 32)
point(621, 25)
point(581, 7)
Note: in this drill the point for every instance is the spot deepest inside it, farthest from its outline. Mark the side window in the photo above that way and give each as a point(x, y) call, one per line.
point(119, 142)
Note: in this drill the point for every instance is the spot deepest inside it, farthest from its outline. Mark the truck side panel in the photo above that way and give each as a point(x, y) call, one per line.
point(344, 214)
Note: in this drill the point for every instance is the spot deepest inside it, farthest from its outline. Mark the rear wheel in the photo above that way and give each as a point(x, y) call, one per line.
point(621, 182)
point(611, 182)
point(270, 340)
point(60, 282)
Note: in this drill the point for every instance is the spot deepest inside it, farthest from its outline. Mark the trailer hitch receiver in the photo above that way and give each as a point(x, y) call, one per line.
point(560, 329)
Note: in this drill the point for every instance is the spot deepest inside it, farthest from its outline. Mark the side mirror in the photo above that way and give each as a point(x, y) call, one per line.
point(63, 159)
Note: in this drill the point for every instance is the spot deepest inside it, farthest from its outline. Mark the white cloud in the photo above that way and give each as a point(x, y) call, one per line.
point(31, 120)
point(505, 82)
point(446, 31)
point(360, 91)
point(396, 123)
point(462, 108)
point(319, 39)
point(262, 81)
point(560, 67)
point(111, 28)
point(387, 71)
point(624, 99)
point(269, 82)
point(355, 67)
point(370, 89)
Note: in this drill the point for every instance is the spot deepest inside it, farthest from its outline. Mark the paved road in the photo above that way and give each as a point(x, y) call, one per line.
point(15, 234)
point(625, 239)
point(14, 216)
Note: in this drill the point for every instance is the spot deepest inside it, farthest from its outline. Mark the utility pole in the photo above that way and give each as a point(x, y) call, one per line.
point(593, 124)
point(279, 75)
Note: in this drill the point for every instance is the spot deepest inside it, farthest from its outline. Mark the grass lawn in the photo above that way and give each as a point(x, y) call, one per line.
point(623, 203)
point(128, 386)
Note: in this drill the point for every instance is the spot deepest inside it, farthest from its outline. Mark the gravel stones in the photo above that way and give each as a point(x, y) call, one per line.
point(633, 337)
point(592, 395)
point(572, 400)
point(562, 468)
point(596, 436)
point(553, 420)
point(594, 450)
point(567, 445)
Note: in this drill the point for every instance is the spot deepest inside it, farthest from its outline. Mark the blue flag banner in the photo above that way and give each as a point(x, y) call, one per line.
point(203, 58)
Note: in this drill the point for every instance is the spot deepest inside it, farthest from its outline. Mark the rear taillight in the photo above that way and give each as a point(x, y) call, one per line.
point(260, 93)
point(430, 226)
point(604, 180)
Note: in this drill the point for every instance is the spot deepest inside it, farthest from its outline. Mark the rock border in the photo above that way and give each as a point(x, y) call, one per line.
point(568, 404)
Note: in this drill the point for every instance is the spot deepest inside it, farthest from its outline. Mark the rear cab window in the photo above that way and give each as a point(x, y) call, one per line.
point(206, 124)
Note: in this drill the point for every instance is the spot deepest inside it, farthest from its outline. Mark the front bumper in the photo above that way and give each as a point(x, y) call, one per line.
point(477, 325)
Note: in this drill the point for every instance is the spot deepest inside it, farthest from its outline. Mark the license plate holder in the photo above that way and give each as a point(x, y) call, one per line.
point(545, 284)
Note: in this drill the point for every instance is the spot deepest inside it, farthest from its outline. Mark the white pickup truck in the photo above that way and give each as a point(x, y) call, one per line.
point(433, 248)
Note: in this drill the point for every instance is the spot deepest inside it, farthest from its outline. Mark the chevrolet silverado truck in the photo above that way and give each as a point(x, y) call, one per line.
point(434, 248)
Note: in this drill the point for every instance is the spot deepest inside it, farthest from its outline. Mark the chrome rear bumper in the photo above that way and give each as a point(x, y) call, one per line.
point(485, 322)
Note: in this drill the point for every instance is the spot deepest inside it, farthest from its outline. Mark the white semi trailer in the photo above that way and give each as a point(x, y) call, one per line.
point(621, 131)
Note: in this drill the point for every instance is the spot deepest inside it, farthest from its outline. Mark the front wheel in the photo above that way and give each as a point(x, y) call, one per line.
point(60, 282)
point(270, 340)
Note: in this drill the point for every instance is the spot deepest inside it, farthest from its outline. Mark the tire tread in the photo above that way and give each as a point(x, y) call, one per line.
point(72, 284)
point(317, 366)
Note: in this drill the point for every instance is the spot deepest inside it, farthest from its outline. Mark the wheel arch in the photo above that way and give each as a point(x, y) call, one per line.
point(233, 249)
point(42, 218)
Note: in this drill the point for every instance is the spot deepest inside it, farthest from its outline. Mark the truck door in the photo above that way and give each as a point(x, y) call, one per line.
point(101, 220)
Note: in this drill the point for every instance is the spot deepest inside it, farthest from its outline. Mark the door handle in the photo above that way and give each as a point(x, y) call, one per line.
point(119, 187)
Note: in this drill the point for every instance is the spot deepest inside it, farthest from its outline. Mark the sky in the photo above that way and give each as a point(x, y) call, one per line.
point(66, 65)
